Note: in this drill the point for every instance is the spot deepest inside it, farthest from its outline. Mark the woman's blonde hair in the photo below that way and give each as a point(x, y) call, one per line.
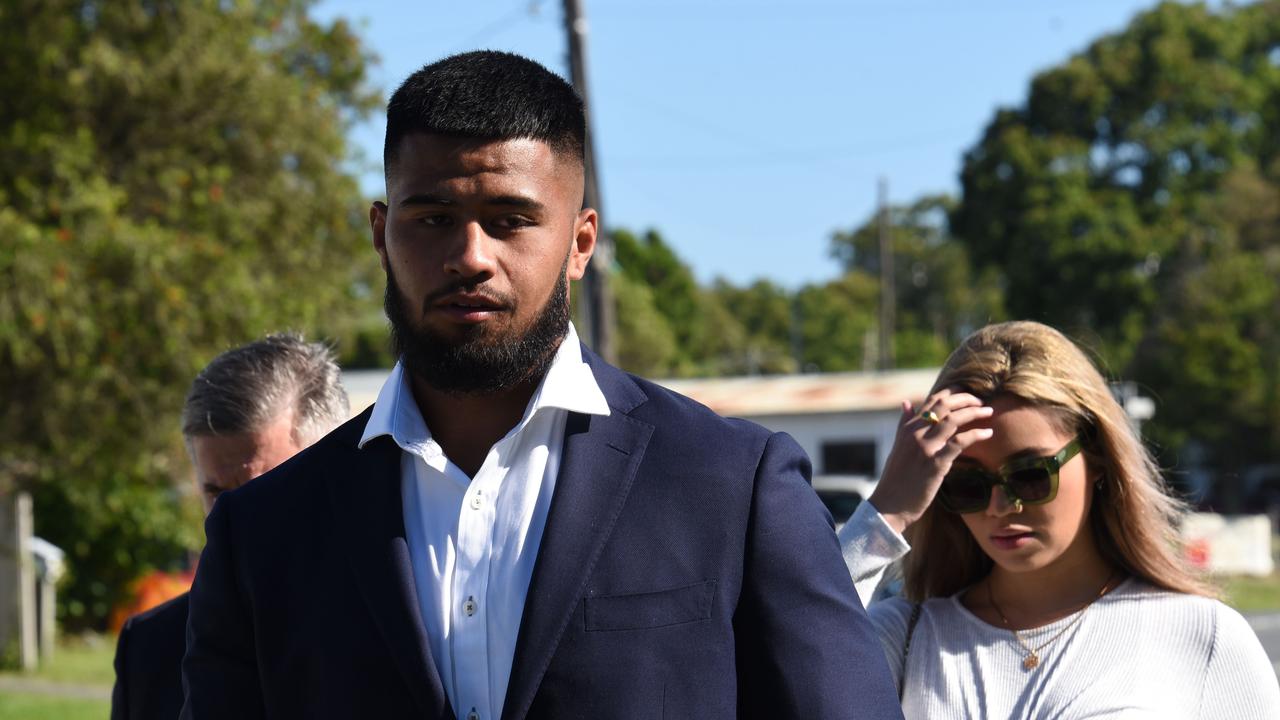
point(1132, 516)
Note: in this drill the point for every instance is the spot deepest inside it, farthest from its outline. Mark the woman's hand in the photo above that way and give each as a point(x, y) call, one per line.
point(923, 450)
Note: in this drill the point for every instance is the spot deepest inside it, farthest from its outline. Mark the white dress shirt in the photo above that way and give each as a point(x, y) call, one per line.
point(473, 541)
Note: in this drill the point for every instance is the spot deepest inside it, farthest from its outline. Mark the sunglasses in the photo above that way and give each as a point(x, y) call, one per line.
point(1026, 481)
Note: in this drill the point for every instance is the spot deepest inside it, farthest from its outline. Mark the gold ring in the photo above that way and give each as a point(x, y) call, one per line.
point(930, 417)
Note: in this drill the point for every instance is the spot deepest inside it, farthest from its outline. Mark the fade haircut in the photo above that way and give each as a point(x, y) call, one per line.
point(245, 389)
point(486, 95)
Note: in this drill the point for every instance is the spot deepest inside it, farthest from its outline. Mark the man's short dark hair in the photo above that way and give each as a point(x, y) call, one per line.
point(245, 389)
point(487, 95)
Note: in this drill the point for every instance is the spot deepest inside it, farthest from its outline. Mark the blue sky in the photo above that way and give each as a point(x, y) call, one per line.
point(747, 132)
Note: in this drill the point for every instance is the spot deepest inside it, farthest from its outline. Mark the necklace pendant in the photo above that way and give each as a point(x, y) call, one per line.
point(1031, 661)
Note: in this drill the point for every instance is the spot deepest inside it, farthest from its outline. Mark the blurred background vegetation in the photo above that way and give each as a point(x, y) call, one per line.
point(173, 185)
point(176, 180)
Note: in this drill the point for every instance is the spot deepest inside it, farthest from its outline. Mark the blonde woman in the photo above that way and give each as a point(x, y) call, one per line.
point(1044, 578)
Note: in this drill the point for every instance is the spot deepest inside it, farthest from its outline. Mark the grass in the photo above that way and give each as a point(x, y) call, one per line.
point(1248, 593)
point(84, 660)
point(78, 661)
point(27, 706)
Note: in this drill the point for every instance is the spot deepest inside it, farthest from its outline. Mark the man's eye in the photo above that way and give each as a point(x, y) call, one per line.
point(434, 220)
point(511, 222)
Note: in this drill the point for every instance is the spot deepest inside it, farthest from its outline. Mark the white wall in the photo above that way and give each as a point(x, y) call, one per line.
point(811, 431)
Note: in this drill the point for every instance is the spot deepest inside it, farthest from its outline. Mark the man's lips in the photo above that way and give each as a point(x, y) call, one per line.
point(468, 307)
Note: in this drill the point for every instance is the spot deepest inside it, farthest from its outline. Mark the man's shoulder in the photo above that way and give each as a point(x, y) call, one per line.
point(339, 449)
point(164, 622)
point(682, 408)
point(666, 409)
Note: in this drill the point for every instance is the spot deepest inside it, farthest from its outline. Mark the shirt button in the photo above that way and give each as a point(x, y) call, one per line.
point(473, 715)
point(477, 501)
point(469, 607)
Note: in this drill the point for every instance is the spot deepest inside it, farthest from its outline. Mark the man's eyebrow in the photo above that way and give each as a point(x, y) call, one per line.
point(425, 199)
point(517, 201)
point(520, 202)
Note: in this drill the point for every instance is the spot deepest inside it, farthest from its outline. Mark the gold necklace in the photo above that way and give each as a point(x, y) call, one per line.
point(1032, 659)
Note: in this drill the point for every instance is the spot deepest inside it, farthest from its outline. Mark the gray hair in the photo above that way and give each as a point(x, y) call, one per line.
point(245, 389)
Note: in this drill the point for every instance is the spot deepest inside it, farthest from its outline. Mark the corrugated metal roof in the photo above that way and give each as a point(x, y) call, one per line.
point(750, 396)
point(804, 394)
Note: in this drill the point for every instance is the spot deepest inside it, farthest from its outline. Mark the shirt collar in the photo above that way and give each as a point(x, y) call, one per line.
point(568, 385)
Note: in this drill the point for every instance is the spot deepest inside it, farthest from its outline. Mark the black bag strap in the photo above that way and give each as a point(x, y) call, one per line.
point(906, 648)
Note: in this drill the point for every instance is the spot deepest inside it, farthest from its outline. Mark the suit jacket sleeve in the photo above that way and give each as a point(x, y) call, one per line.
point(119, 693)
point(805, 646)
point(219, 672)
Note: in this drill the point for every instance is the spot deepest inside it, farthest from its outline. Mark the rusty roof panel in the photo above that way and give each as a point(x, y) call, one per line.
point(804, 394)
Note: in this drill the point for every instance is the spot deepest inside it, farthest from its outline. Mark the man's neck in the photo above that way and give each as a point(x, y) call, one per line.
point(467, 426)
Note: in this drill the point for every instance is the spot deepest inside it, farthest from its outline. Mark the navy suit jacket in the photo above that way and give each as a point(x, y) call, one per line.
point(148, 663)
point(687, 570)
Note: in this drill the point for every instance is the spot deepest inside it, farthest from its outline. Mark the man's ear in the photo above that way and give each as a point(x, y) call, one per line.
point(378, 223)
point(585, 228)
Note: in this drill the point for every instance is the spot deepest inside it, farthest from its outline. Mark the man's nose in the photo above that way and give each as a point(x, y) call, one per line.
point(470, 256)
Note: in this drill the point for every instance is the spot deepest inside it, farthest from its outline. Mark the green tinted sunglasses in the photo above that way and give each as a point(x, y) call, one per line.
point(1026, 481)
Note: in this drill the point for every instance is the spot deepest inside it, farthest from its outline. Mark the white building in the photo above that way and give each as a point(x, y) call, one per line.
point(844, 421)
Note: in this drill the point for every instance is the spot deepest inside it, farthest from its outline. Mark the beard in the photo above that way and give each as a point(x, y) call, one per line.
point(483, 361)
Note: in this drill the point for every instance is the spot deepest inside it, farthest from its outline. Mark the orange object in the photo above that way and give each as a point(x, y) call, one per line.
point(151, 590)
point(1198, 553)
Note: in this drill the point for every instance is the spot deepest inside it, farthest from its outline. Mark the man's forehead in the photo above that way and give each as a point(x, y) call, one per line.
point(444, 155)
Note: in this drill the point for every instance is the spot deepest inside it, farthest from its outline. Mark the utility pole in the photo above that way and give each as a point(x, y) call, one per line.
point(598, 308)
point(888, 296)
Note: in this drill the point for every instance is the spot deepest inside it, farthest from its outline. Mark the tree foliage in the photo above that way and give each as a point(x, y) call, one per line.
point(173, 186)
point(939, 298)
point(670, 325)
point(1132, 198)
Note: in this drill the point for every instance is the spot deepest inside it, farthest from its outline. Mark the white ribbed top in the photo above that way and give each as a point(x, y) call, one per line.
point(1138, 652)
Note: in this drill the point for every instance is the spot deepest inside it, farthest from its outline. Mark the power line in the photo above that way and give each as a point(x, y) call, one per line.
point(785, 156)
point(807, 12)
point(502, 24)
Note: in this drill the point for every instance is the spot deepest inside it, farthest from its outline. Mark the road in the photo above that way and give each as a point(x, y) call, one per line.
point(1267, 626)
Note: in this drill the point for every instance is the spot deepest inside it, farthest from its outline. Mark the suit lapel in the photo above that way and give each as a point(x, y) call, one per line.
point(366, 504)
point(597, 467)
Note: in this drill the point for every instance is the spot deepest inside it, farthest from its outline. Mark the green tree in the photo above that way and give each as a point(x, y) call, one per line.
point(1213, 350)
point(705, 337)
point(646, 342)
point(173, 185)
point(769, 332)
point(939, 298)
point(838, 323)
point(1110, 205)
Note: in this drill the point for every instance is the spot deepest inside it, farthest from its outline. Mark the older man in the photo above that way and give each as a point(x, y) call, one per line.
point(251, 409)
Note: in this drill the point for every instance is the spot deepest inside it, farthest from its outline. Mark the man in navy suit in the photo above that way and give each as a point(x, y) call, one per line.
point(250, 409)
point(516, 529)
